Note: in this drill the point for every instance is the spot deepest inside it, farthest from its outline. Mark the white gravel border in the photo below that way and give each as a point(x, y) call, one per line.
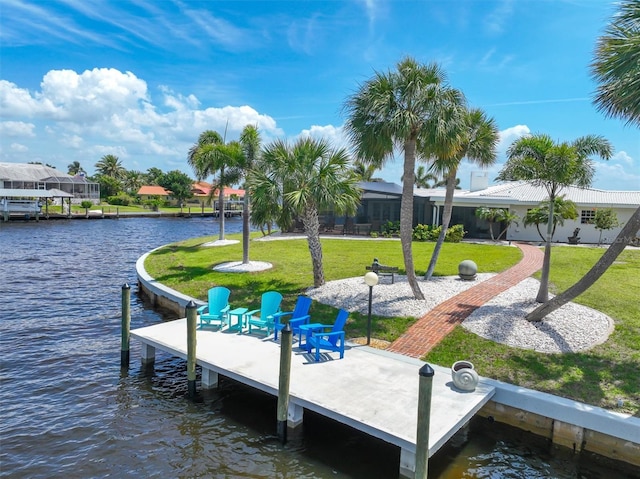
point(569, 329)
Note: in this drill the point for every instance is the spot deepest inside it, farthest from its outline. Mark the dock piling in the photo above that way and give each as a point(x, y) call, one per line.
point(192, 318)
point(286, 342)
point(126, 324)
point(425, 387)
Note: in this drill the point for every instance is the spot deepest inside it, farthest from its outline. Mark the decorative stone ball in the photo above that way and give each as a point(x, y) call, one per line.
point(467, 269)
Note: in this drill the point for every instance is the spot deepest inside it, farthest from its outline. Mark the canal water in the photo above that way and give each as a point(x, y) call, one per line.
point(67, 410)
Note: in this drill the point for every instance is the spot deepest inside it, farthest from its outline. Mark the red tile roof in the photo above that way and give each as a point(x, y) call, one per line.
point(153, 190)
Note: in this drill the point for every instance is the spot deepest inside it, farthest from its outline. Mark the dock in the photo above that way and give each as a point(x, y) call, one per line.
point(373, 391)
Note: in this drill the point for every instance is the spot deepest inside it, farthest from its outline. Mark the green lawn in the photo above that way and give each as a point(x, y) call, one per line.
point(601, 376)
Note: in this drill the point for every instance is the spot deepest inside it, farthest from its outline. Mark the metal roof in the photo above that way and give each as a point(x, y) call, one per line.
point(525, 193)
point(29, 172)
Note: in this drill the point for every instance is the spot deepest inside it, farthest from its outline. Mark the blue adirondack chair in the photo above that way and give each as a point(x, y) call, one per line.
point(299, 315)
point(326, 336)
point(216, 309)
point(269, 306)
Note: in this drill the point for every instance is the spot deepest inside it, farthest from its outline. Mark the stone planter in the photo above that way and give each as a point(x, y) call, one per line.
point(467, 270)
point(464, 375)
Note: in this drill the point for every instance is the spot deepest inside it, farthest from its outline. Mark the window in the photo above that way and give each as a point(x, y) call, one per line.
point(587, 216)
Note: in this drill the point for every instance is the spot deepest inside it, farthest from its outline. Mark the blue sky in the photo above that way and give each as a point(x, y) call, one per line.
point(141, 79)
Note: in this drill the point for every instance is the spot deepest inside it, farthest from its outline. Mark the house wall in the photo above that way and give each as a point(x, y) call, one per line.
point(588, 233)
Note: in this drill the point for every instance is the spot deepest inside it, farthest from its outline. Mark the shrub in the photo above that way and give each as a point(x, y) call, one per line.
point(425, 233)
point(120, 200)
point(86, 204)
point(455, 234)
point(391, 228)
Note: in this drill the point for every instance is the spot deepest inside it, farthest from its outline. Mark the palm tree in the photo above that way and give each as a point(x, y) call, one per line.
point(477, 140)
point(365, 172)
point(497, 215)
point(75, 168)
point(562, 210)
point(616, 66)
point(250, 143)
point(540, 161)
point(133, 180)
point(412, 109)
point(110, 165)
point(210, 155)
point(305, 178)
point(423, 178)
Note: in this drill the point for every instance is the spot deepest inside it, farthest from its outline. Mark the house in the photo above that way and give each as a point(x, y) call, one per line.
point(381, 203)
point(27, 180)
point(151, 192)
point(202, 192)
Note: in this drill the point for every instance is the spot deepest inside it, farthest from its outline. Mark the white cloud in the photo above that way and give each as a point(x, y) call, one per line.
point(16, 128)
point(334, 134)
point(17, 147)
point(511, 134)
point(622, 157)
point(105, 111)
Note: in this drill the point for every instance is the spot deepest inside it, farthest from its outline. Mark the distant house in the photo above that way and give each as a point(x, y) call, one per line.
point(201, 195)
point(151, 192)
point(381, 203)
point(27, 180)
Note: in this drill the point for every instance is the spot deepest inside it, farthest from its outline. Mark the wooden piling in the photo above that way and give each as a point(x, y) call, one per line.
point(192, 319)
point(126, 324)
point(425, 387)
point(286, 342)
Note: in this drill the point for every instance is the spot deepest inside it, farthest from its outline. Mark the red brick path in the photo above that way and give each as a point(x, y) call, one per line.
point(429, 330)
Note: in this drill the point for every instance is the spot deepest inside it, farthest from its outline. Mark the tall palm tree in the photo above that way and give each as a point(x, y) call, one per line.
point(423, 178)
point(412, 109)
point(477, 141)
point(75, 168)
point(365, 172)
point(210, 155)
point(307, 177)
point(616, 66)
point(132, 181)
point(110, 165)
point(540, 161)
point(250, 143)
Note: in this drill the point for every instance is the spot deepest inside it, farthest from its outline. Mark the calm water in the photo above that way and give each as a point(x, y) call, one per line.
point(68, 411)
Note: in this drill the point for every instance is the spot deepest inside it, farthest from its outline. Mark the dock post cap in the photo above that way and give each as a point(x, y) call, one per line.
point(126, 286)
point(426, 371)
point(191, 305)
point(287, 329)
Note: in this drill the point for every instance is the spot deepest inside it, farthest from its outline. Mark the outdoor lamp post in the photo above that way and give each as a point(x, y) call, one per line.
point(371, 279)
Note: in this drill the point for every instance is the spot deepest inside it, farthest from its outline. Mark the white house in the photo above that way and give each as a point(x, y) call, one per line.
point(519, 197)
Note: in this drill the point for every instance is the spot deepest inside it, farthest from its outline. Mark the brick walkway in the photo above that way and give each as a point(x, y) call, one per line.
point(429, 330)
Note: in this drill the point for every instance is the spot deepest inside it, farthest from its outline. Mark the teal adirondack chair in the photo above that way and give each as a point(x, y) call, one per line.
point(327, 336)
point(265, 320)
point(299, 315)
point(215, 311)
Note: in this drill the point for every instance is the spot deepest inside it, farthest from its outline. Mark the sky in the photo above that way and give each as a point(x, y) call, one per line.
point(141, 79)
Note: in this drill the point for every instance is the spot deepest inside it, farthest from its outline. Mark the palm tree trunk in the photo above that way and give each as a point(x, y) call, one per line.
point(446, 219)
point(543, 292)
point(246, 211)
point(629, 231)
point(221, 208)
point(406, 216)
point(312, 230)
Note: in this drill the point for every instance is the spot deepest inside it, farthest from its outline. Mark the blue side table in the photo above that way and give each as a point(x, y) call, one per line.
point(237, 313)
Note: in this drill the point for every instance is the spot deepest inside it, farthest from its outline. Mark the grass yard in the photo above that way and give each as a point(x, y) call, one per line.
point(602, 376)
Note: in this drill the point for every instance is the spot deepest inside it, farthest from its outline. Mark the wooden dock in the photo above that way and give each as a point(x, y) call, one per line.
point(370, 390)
